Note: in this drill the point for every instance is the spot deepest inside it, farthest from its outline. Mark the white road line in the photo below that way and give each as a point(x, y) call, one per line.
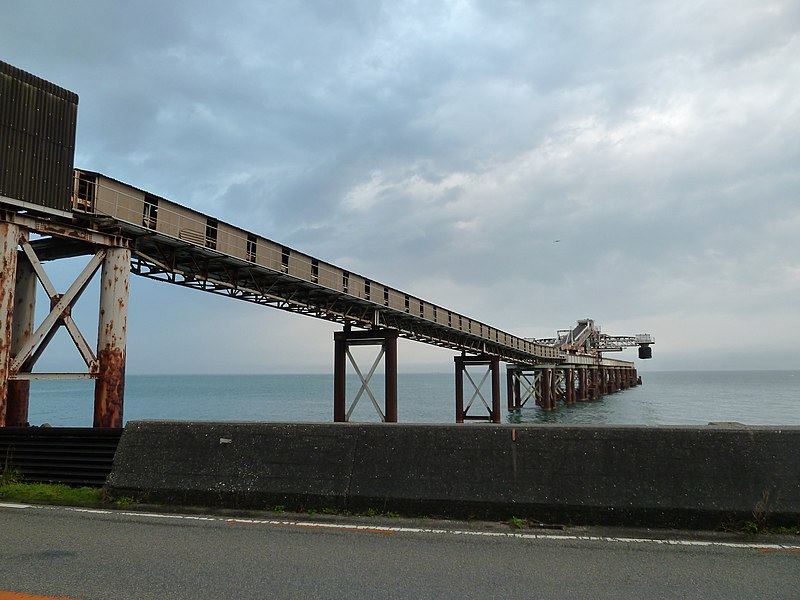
point(430, 531)
point(526, 536)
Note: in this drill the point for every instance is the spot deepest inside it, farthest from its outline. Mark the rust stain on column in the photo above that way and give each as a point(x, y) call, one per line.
point(109, 390)
point(109, 395)
point(9, 241)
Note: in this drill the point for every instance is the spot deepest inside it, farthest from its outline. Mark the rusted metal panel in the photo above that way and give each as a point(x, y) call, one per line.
point(37, 134)
point(111, 338)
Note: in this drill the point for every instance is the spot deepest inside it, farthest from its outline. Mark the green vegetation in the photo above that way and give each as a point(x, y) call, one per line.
point(279, 508)
point(52, 493)
point(517, 523)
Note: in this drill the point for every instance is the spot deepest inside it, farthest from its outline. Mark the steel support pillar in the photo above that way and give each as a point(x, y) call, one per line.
point(569, 382)
point(493, 369)
point(9, 240)
point(595, 389)
point(583, 384)
point(546, 387)
point(111, 337)
point(520, 388)
point(22, 330)
point(342, 341)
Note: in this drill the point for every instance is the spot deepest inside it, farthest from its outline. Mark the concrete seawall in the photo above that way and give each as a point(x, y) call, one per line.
point(659, 476)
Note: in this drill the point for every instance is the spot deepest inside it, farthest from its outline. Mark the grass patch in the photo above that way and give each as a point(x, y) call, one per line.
point(51, 493)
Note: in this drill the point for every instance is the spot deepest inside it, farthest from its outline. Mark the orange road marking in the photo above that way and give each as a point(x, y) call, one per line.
point(18, 596)
point(765, 550)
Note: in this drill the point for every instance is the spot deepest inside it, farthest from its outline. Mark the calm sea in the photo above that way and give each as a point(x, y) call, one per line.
point(665, 398)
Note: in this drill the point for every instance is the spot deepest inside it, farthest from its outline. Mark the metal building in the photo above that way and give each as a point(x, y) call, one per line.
point(37, 140)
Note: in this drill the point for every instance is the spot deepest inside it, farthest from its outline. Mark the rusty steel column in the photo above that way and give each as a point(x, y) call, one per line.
point(109, 387)
point(495, 367)
point(9, 241)
point(569, 382)
point(340, 378)
point(583, 394)
point(510, 402)
point(22, 329)
point(459, 361)
point(547, 389)
point(594, 386)
point(390, 377)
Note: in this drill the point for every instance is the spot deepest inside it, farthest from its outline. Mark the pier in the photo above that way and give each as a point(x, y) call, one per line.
point(50, 210)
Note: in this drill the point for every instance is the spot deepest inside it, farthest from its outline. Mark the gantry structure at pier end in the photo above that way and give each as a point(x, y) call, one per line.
point(50, 211)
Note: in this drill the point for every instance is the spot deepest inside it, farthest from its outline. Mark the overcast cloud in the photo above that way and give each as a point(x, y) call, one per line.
point(444, 148)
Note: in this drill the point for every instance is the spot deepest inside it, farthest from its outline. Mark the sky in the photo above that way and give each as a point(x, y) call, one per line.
point(526, 164)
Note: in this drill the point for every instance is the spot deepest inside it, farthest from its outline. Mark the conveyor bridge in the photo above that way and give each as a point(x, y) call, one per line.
point(124, 229)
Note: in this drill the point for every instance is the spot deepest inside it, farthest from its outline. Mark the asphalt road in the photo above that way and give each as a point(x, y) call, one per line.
point(76, 553)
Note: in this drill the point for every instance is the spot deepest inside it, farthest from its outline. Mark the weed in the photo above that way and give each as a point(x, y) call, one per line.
point(328, 511)
point(371, 512)
point(392, 515)
point(10, 475)
point(760, 513)
point(517, 523)
point(312, 511)
point(124, 501)
point(279, 508)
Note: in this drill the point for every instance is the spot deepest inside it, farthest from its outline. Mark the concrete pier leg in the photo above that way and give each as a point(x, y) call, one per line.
point(22, 330)
point(9, 241)
point(109, 387)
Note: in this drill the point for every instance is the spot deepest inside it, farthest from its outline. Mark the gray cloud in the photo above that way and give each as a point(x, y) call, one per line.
point(658, 143)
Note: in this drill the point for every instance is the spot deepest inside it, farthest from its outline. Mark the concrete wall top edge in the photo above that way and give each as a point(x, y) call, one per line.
point(465, 427)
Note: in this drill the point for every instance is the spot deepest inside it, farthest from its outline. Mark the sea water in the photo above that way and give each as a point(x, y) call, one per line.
point(665, 398)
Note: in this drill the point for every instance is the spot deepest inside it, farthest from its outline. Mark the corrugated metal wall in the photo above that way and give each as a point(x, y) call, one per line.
point(37, 139)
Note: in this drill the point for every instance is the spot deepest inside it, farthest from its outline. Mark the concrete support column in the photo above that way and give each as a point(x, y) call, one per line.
point(9, 241)
point(22, 330)
point(111, 337)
